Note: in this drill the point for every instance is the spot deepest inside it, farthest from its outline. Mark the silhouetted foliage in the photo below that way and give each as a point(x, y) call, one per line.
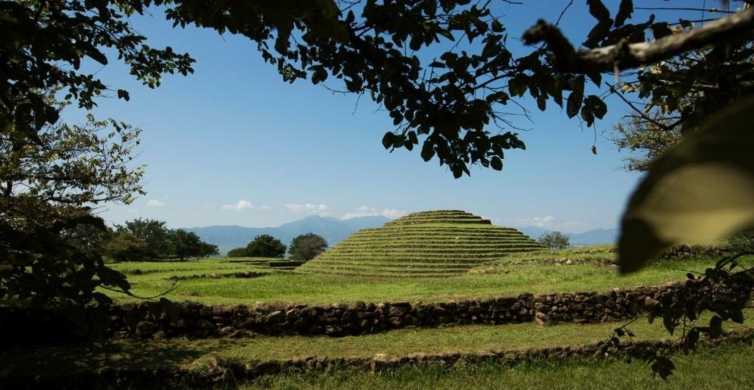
point(306, 246)
point(265, 245)
point(237, 252)
point(50, 245)
point(554, 240)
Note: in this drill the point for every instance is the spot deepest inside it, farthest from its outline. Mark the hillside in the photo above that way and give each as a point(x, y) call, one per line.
point(435, 243)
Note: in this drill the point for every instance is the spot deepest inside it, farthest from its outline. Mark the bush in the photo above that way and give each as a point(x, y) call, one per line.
point(307, 246)
point(555, 240)
point(265, 245)
point(237, 252)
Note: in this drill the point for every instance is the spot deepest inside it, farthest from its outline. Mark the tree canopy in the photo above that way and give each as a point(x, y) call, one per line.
point(265, 245)
point(555, 240)
point(306, 246)
point(149, 239)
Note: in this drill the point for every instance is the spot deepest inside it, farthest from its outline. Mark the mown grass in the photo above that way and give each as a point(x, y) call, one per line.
point(726, 368)
point(431, 239)
point(501, 279)
point(194, 353)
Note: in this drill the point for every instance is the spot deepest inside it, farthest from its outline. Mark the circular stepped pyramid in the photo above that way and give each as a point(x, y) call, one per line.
point(424, 244)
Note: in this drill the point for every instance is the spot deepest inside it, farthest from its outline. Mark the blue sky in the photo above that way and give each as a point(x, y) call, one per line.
point(233, 144)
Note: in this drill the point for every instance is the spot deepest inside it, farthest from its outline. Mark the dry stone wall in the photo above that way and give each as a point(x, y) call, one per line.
point(216, 373)
point(165, 319)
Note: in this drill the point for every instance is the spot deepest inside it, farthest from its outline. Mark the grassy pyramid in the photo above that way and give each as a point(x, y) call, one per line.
point(424, 244)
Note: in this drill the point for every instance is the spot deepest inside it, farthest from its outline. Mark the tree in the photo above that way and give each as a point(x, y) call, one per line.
point(265, 245)
point(555, 240)
point(124, 246)
point(237, 252)
point(306, 246)
point(154, 234)
point(50, 245)
point(51, 175)
point(188, 244)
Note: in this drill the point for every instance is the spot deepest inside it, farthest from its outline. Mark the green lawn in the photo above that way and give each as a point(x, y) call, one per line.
point(529, 273)
point(725, 368)
point(474, 338)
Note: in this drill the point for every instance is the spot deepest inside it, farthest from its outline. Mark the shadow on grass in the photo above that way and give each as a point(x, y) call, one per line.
point(63, 361)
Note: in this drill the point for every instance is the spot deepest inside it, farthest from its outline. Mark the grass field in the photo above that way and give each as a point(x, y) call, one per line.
point(536, 272)
point(726, 368)
point(542, 271)
point(196, 354)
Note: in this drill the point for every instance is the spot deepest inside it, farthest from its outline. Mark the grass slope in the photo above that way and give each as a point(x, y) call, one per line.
point(535, 272)
point(425, 244)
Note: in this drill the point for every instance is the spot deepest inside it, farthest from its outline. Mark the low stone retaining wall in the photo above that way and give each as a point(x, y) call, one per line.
point(229, 373)
point(169, 319)
point(239, 275)
point(165, 319)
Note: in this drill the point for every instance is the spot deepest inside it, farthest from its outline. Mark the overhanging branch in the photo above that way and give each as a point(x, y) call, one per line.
point(627, 56)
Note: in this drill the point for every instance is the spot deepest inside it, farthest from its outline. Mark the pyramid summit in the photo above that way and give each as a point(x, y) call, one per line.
point(423, 244)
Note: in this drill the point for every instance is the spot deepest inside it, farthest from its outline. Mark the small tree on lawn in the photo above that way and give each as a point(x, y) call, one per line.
point(555, 240)
point(307, 246)
point(265, 245)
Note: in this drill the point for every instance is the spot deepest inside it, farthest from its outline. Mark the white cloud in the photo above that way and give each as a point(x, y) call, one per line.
point(551, 223)
point(306, 207)
point(155, 203)
point(240, 205)
point(365, 211)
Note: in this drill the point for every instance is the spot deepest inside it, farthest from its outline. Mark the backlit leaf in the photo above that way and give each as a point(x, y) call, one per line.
point(699, 192)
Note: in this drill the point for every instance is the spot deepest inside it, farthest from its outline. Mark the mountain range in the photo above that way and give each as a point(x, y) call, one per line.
point(334, 230)
point(227, 237)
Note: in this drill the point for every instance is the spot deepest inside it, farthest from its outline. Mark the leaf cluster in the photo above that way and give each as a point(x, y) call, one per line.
point(723, 290)
point(46, 43)
point(149, 239)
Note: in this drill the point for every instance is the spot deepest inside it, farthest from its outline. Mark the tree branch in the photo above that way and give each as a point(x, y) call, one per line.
point(627, 56)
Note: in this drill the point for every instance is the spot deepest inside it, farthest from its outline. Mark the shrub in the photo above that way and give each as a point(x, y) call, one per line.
point(307, 246)
point(555, 240)
point(237, 252)
point(265, 245)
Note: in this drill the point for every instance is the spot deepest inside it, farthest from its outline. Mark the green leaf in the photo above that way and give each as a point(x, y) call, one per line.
point(576, 97)
point(625, 10)
point(598, 10)
point(388, 140)
point(699, 192)
point(123, 94)
point(496, 163)
point(428, 151)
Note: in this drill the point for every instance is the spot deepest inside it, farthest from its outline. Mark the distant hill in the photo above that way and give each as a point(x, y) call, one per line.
point(590, 237)
point(332, 229)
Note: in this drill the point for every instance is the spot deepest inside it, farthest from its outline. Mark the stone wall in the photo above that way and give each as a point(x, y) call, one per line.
point(168, 319)
point(165, 319)
point(221, 373)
